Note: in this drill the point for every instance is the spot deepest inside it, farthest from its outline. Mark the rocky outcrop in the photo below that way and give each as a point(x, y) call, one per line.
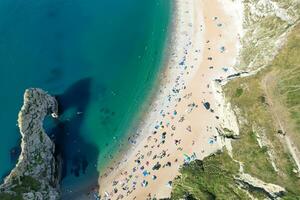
point(35, 175)
point(266, 24)
point(249, 182)
point(227, 133)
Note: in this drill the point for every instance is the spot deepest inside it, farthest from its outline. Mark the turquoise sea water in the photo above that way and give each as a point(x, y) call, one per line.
point(100, 57)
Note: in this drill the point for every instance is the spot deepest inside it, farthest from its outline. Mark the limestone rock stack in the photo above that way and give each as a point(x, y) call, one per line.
point(36, 174)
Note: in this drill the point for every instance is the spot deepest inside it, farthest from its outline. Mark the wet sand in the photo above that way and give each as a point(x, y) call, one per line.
point(182, 120)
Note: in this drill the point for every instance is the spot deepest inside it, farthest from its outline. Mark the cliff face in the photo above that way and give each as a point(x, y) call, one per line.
point(35, 175)
point(266, 24)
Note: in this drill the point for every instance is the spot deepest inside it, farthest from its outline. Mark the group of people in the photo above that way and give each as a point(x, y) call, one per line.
point(164, 146)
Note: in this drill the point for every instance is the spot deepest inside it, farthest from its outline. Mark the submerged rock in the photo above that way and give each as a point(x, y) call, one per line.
point(36, 173)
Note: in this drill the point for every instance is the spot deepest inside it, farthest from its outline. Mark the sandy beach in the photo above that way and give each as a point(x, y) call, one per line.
point(181, 122)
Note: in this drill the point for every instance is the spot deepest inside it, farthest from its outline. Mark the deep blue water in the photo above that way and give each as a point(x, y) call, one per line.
point(100, 57)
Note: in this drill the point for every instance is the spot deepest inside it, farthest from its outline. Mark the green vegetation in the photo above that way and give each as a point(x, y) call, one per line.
point(212, 178)
point(270, 96)
point(41, 136)
point(26, 184)
point(287, 65)
point(239, 92)
point(265, 103)
point(38, 158)
point(5, 196)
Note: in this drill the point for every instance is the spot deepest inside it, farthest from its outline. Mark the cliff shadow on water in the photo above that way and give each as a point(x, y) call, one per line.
point(78, 157)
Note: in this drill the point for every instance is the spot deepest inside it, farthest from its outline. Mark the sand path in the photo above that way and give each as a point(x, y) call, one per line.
point(275, 108)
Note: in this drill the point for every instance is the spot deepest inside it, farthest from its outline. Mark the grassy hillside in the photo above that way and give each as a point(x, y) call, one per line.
point(268, 110)
point(269, 102)
point(211, 178)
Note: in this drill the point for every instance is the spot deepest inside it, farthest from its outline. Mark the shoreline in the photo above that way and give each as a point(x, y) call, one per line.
point(147, 106)
point(124, 145)
point(154, 98)
point(176, 85)
point(89, 191)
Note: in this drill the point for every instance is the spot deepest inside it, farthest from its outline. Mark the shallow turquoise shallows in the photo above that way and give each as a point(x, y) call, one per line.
point(100, 57)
